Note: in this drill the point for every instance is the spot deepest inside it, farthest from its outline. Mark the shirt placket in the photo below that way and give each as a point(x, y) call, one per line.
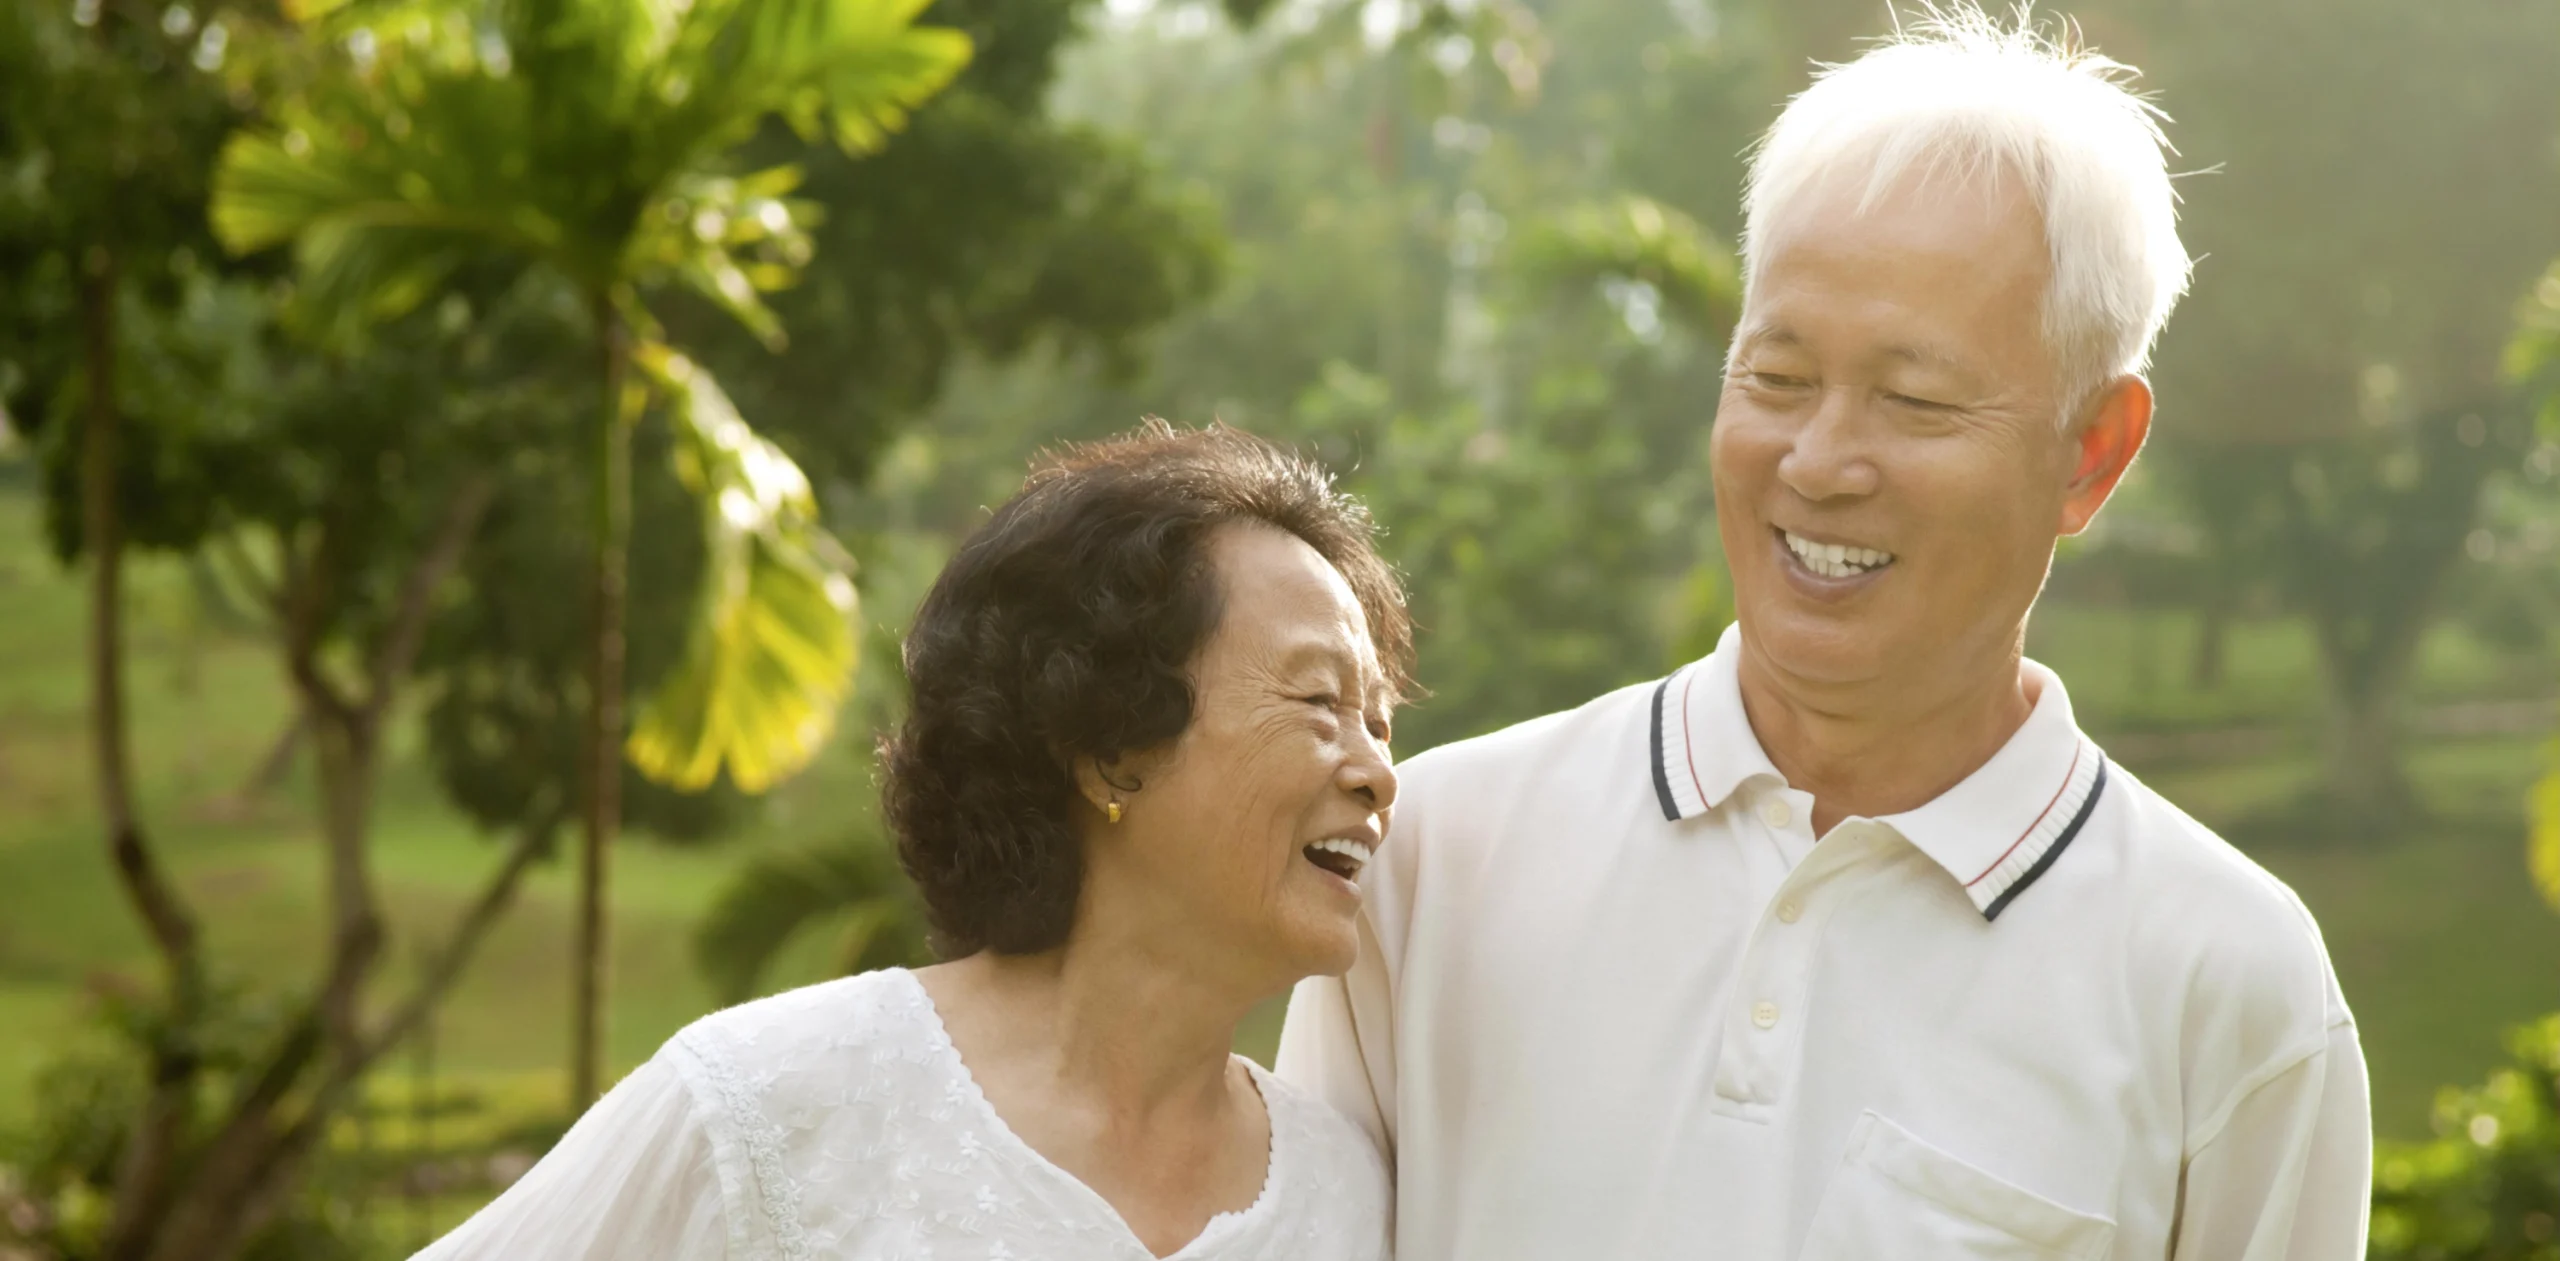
point(1772, 992)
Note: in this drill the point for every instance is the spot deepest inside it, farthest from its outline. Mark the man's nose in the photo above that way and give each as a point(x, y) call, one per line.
point(1829, 457)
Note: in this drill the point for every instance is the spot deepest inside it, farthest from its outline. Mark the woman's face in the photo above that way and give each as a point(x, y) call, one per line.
point(1242, 841)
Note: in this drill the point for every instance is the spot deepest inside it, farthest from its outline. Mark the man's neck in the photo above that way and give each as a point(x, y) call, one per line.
point(1885, 746)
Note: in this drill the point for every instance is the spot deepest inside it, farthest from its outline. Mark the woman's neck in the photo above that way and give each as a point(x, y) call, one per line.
point(1111, 1061)
point(1141, 1037)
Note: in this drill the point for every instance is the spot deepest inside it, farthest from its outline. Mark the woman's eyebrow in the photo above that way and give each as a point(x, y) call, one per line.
point(1309, 652)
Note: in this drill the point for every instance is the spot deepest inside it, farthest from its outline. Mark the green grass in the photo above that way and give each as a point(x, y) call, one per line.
point(2438, 940)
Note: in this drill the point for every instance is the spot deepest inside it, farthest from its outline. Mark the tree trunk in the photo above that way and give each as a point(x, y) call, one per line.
point(2213, 632)
point(277, 764)
point(2364, 787)
point(248, 1169)
point(2361, 753)
point(149, 1168)
point(604, 712)
point(237, 1180)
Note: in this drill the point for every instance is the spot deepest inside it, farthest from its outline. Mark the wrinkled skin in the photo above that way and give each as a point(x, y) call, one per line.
point(1287, 746)
point(1891, 388)
point(1109, 1055)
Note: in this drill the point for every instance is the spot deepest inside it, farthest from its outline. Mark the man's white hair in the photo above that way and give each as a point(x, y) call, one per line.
point(1959, 93)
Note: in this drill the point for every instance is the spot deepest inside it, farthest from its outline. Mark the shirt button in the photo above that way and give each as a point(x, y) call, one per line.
point(1788, 911)
point(1765, 1015)
point(1775, 813)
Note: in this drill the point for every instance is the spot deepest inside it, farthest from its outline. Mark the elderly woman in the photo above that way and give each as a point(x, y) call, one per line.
point(1145, 763)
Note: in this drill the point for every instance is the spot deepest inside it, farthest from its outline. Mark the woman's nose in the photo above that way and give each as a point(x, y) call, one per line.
point(1370, 773)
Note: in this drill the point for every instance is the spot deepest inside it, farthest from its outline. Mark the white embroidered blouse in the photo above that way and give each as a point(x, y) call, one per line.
point(838, 1122)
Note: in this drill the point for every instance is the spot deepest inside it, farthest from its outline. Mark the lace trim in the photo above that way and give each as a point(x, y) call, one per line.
point(775, 1187)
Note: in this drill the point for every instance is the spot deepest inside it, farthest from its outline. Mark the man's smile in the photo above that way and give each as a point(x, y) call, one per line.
point(1829, 560)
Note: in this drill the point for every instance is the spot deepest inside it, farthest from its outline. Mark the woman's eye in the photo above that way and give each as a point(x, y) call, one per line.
point(1926, 405)
point(1323, 700)
point(1380, 731)
point(1777, 381)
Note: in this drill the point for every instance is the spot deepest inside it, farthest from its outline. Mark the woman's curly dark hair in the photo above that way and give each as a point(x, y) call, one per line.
point(1066, 627)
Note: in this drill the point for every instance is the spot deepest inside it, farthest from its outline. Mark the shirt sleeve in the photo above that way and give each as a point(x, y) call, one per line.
point(2289, 1176)
point(1338, 1041)
point(634, 1180)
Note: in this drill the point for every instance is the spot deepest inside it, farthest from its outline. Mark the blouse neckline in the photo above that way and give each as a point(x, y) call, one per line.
point(1214, 1232)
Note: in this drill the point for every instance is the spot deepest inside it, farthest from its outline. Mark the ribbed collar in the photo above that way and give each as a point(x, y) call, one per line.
point(1994, 833)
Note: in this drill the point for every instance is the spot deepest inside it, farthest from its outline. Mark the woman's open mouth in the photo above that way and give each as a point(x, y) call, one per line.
point(1339, 855)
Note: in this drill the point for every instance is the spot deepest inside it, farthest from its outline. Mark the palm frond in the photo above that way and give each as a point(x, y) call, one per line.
point(772, 653)
point(383, 204)
point(731, 240)
point(556, 132)
point(857, 65)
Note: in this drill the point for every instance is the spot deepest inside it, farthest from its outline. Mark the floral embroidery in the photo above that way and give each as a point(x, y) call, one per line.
point(866, 1138)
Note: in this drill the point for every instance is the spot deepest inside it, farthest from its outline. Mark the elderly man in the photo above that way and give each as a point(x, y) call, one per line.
point(1845, 942)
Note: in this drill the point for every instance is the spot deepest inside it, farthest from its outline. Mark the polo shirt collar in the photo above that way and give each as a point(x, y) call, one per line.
point(1995, 832)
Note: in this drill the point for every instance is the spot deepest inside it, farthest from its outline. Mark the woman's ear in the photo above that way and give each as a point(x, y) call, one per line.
point(1105, 785)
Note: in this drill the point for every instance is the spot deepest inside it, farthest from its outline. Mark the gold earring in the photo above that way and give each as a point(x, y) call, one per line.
point(1112, 811)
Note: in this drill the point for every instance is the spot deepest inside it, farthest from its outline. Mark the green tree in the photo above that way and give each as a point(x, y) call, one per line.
point(108, 114)
point(587, 139)
point(2331, 403)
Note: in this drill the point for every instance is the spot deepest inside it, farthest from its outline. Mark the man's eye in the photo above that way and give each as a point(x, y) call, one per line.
point(1323, 700)
point(1777, 381)
point(1926, 405)
point(1380, 731)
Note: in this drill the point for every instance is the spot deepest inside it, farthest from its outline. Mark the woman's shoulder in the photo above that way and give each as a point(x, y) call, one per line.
point(832, 1046)
point(809, 1098)
point(839, 1023)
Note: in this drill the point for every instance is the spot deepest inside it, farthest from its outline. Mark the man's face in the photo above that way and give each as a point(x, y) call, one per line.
point(1890, 475)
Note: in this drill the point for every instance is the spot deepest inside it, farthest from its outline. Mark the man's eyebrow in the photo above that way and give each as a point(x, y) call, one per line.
point(1926, 356)
point(1770, 335)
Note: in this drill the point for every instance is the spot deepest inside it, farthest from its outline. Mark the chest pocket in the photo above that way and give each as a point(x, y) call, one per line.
point(1896, 1196)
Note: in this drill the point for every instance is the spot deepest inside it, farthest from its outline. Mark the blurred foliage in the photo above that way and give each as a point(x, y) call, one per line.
point(2533, 363)
point(2542, 844)
point(109, 119)
point(1639, 241)
point(2488, 1187)
point(1510, 537)
point(403, 1137)
point(58, 1170)
point(2349, 312)
point(851, 888)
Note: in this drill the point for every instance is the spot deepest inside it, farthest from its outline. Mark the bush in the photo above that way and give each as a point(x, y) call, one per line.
point(2487, 1188)
point(58, 1168)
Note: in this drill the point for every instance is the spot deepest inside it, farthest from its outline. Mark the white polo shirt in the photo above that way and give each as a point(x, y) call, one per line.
point(1613, 1001)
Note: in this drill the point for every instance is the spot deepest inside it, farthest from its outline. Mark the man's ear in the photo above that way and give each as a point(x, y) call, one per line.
point(2108, 435)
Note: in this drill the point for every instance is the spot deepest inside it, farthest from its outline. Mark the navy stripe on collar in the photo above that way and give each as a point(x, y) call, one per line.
point(1661, 781)
point(2088, 806)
